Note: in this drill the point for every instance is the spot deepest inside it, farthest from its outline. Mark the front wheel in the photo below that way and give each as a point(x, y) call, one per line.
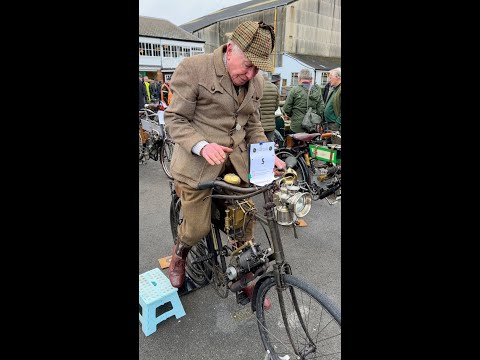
point(166, 153)
point(301, 322)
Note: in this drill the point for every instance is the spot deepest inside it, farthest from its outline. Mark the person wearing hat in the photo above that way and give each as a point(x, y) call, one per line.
point(212, 117)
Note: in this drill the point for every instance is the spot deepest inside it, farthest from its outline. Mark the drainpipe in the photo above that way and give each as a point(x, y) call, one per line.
point(274, 31)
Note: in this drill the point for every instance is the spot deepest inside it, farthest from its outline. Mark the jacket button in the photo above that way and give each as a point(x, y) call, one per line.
point(257, 98)
point(213, 88)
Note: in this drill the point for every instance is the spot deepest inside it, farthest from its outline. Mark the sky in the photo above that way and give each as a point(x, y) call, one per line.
point(182, 11)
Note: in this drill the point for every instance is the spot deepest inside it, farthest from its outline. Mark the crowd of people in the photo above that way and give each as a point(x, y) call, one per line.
point(151, 90)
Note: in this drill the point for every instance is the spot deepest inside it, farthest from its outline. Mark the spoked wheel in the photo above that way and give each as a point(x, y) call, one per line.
point(301, 322)
point(218, 265)
point(278, 139)
point(166, 153)
point(140, 147)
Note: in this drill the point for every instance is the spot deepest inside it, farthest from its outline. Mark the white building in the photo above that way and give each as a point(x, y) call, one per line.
point(162, 45)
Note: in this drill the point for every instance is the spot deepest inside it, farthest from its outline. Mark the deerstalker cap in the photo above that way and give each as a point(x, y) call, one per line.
point(256, 40)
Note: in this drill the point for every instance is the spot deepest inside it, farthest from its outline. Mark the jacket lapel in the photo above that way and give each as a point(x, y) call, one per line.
point(248, 95)
point(220, 70)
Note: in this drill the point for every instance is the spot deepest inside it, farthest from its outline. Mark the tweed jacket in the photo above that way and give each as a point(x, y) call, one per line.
point(205, 106)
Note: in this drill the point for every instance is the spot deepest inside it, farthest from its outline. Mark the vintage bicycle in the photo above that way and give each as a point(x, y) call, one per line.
point(300, 322)
point(154, 141)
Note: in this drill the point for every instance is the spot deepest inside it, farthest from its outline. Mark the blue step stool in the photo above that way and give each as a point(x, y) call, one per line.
point(156, 296)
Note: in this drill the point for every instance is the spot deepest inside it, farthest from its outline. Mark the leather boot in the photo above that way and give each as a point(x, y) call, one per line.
point(176, 270)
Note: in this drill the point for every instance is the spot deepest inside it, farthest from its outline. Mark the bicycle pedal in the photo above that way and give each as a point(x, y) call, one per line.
point(242, 298)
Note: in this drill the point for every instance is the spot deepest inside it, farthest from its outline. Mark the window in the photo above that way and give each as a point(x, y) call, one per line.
point(294, 79)
point(157, 50)
point(324, 78)
point(196, 50)
point(167, 51)
point(148, 49)
point(185, 52)
point(145, 49)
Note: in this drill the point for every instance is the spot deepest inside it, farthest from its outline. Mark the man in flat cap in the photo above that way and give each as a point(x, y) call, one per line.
point(213, 116)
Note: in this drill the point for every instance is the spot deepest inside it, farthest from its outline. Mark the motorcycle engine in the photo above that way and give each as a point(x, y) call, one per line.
point(248, 259)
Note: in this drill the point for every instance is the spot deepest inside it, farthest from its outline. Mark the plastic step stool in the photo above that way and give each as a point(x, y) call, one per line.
point(156, 293)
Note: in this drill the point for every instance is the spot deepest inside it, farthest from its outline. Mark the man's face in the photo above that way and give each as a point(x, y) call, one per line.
point(240, 69)
point(333, 79)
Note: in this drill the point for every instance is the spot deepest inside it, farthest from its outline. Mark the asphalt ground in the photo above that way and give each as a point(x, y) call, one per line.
point(215, 328)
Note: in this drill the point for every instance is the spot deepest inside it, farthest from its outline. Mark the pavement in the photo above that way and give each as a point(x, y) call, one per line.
point(220, 329)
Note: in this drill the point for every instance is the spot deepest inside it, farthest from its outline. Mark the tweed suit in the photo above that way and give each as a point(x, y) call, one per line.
point(205, 106)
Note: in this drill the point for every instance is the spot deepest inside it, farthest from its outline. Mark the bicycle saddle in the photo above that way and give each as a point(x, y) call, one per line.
point(305, 136)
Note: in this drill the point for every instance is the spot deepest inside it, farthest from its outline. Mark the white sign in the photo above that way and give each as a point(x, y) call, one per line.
point(161, 119)
point(262, 161)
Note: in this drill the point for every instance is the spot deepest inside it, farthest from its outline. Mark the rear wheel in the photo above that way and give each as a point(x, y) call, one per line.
point(301, 323)
point(300, 167)
point(201, 272)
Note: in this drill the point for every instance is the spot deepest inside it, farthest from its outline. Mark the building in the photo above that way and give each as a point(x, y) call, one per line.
point(162, 45)
point(307, 33)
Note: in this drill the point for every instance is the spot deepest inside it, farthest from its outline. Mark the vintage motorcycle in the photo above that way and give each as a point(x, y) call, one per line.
point(316, 158)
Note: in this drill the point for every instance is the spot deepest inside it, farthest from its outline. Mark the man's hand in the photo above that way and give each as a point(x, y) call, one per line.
point(279, 164)
point(214, 153)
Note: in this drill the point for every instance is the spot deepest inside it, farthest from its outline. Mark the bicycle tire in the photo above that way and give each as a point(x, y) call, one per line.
point(300, 167)
point(140, 148)
point(166, 152)
point(321, 319)
point(278, 139)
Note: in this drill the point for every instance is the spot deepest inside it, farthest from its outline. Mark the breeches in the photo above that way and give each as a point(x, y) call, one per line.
point(196, 214)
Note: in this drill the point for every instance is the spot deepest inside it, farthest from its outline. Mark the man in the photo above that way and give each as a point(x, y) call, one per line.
point(296, 104)
point(268, 105)
point(146, 81)
point(212, 117)
point(142, 93)
point(333, 114)
point(155, 88)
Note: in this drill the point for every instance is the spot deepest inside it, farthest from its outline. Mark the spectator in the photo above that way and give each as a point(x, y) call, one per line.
point(296, 104)
point(268, 105)
point(146, 81)
point(142, 94)
point(325, 91)
point(333, 109)
point(155, 89)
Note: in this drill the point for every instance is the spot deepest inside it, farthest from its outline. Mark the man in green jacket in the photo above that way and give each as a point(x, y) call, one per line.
point(296, 104)
point(333, 114)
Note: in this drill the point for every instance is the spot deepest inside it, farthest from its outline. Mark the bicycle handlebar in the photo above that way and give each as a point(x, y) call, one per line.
point(224, 185)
